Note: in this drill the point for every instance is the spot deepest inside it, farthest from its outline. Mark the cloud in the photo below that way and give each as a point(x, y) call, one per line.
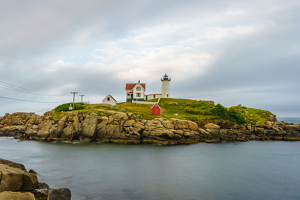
point(232, 52)
point(59, 65)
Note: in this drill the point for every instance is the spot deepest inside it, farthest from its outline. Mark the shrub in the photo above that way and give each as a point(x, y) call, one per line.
point(230, 114)
point(235, 116)
point(65, 107)
point(199, 107)
point(221, 111)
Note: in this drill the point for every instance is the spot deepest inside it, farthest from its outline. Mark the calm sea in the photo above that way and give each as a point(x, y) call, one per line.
point(251, 170)
point(295, 120)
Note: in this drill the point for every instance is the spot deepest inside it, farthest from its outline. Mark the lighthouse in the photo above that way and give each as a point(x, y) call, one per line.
point(165, 89)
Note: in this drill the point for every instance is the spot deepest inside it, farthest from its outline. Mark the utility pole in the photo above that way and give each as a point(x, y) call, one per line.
point(81, 97)
point(74, 98)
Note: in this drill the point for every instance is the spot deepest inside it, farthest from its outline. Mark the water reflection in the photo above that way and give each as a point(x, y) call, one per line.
point(253, 170)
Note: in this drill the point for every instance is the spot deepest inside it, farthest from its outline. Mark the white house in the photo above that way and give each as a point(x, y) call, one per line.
point(135, 91)
point(109, 100)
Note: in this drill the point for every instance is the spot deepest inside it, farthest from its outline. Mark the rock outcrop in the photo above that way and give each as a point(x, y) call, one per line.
point(18, 184)
point(118, 127)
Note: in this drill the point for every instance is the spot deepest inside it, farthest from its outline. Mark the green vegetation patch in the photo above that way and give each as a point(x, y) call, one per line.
point(253, 115)
point(65, 107)
point(200, 107)
point(175, 108)
point(232, 114)
point(172, 108)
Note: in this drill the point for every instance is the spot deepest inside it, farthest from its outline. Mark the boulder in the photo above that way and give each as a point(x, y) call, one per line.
point(260, 130)
point(170, 134)
point(56, 130)
point(8, 195)
point(168, 124)
point(139, 125)
point(129, 123)
point(41, 194)
point(43, 185)
point(14, 179)
point(121, 116)
point(187, 134)
point(77, 125)
point(268, 124)
point(44, 129)
point(59, 194)
point(192, 126)
point(294, 127)
point(111, 129)
point(101, 128)
point(212, 128)
point(179, 132)
point(89, 126)
point(68, 132)
point(182, 124)
point(12, 164)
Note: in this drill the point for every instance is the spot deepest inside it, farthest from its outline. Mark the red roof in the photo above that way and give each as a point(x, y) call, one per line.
point(156, 110)
point(112, 98)
point(156, 105)
point(130, 86)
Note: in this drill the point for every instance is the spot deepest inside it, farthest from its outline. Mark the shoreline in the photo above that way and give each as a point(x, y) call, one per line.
point(119, 127)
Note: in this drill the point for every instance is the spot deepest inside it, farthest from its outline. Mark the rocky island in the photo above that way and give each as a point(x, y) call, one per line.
point(117, 124)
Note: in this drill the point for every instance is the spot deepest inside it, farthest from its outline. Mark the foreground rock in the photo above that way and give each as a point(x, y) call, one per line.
point(18, 184)
point(7, 195)
point(118, 127)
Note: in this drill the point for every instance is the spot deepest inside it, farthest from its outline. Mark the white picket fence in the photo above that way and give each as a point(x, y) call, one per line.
point(143, 102)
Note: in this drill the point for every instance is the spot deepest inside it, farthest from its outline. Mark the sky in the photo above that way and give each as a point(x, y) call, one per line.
point(231, 52)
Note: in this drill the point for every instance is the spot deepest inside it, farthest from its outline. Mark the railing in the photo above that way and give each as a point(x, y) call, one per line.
point(165, 79)
point(143, 102)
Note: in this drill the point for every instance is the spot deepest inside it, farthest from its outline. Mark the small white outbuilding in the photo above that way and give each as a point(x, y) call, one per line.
point(109, 100)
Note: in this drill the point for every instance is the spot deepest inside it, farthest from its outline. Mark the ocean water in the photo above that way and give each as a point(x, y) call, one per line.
point(242, 170)
point(295, 120)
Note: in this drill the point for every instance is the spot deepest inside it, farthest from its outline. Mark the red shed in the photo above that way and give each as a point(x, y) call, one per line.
point(156, 109)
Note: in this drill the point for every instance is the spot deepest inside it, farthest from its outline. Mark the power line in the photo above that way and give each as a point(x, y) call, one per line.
point(30, 100)
point(15, 88)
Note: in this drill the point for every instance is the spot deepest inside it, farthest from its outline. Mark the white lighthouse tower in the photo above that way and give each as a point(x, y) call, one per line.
point(165, 90)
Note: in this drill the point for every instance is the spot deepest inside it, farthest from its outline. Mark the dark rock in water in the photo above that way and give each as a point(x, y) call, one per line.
point(59, 194)
point(41, 194)
point(43, 185)
point(32, 171)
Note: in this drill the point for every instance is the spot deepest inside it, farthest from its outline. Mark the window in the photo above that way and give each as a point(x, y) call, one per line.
point(153, 96)
point(108, 99)
point(167, 95)
point(138, 94)
point(128, 95)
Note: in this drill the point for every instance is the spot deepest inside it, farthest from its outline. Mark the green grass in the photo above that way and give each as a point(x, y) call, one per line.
point(183, 108)
point(170, 107)
point(253, 115)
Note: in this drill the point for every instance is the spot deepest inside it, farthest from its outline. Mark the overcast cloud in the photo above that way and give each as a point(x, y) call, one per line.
point(232, 52)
